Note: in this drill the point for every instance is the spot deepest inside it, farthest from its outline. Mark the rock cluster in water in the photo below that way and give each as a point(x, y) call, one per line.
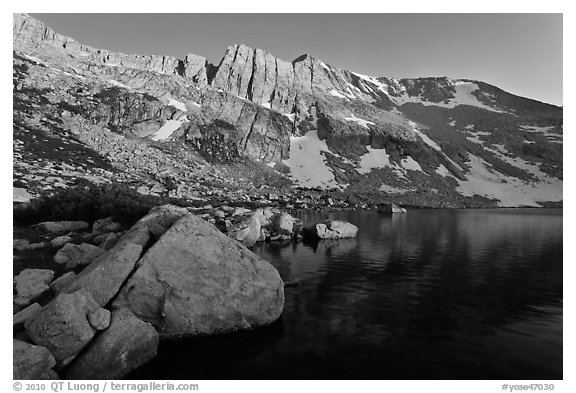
point(170, 275)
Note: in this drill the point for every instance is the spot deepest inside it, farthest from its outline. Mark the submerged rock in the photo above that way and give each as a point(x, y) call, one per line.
point(127, 344)
point(331, 229)
point(106, 225)
point(25, 245)
point(62, 226)
point(390, 208)
point(60, 241)
point(196, 281)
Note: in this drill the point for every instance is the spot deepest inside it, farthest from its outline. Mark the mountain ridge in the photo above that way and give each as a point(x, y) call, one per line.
point(363, 134)
point(51, 35)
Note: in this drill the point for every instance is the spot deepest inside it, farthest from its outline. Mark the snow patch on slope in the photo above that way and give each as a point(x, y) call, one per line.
point(307, 162)
point(336, 93)
point(410, 164)
point(375, 158)
point(166, 130)
point(509, 191)
point(117, 84)
point(424, 137)
point(443, 171)
point(464, 95)
point(177, 104)
point(361, 122)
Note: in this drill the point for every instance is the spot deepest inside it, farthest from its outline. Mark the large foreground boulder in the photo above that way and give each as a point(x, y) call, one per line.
point(104, 277)
point(195, 280)
point(63, 326)
point(32, 361)
point(127, 344)
point(331, 229)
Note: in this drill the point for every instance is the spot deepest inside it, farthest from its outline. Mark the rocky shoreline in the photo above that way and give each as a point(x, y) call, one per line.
point(117, 290)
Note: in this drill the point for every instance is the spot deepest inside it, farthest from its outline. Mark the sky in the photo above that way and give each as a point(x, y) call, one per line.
point(520, 53)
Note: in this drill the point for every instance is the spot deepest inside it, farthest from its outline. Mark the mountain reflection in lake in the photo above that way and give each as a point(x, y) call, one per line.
point(432, 294)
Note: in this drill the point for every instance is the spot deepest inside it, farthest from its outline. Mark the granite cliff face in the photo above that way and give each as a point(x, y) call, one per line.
point(445, 141)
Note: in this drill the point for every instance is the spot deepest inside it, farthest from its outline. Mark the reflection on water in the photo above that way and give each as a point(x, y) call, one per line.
point(432, 294)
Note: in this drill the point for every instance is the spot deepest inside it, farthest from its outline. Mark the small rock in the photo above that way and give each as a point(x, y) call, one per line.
point(240, 211)
point(24, 245)
point(62, 281)
point(110, 241)
point(291, 283)
point(331, 229)
point(247, 231)
point(99, 239)
point(106, 225)
point(390, 208)
point(62, 326)
point(62, 226)
point(31, 361)
point(20, 195)
point(99, 319)
point(18, 244)
point(60, 241)
point(219, 214)
point(283, 224)
point(77, 254)
point(124, 346)
point(156, 230)
point(30, 284)
point(19, 319)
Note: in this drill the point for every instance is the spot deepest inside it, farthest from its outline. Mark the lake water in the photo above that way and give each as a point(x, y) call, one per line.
point(431, 294)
